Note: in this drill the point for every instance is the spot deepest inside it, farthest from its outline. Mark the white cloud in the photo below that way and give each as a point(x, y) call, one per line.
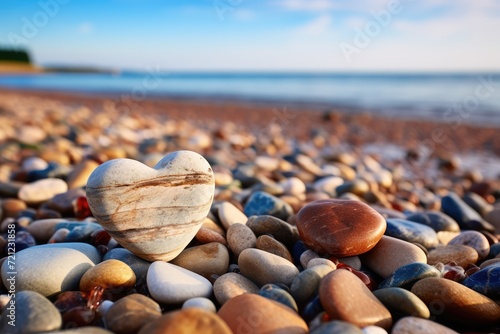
point(85, 28)
point(311, 5)
point(316, 26)
point(244, 15)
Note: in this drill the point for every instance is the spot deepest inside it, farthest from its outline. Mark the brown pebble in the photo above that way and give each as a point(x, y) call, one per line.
point(78, 177)
point(189, 320)
point(63, 203)
point(240, 237)
point(475, 240)
point(231, 285)
point(113, 275)
point(205, 260)
point(340, 227)
point(254, 314)
point(345, 297)
point(390, 254)
point(130, 313)
point(205, 236)
point(271, 245)
point(460, 254)
point(456, 302)
point(11, 207)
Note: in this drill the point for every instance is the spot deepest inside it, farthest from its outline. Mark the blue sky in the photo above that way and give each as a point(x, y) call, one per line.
point(273, 35)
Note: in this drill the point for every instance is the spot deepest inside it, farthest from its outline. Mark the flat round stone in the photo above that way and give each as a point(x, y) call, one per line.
point(251, 313)
point(113, 275)
point(456, 302)
point(240, 237)
point(279, 229)
point(340, 227)
point(229, 215)
point(345, 297)
point(273, 246)
point(390, 254)
point(130, 313)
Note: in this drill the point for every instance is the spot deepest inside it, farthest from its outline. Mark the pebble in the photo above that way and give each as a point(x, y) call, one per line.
point(486, 281)
point(373, 330)
point(34, 163)
point(229, 215)
point(112, 275)
point(336, 327)
point(200, 302)
point(279, 229)
point(63, 203)
point(205, 260)
point(306, 284)
point(263, 267)
point(80, 174)
point(463, 214)
point(412, 232)
point(59, 236)
point(206, 235)
point(320, 261)
point(490, 262)
point(493, 217)
point(408, 274)
point(240, 237)
point(41, 191)
point(357, 187)
point(171, 284)
point(52, 268)
point(352, 261)
point(401, 301)
point(345, 297)
point(11, 207)
point(262, 203)
point(293, 186)
point(277, 294)
point(473, 239)
point(460, 254)
point(43, 229)
point(190, 320)
point(251, 313)
point(33, 313)
point(328, 185)
point(231, 285)
point(307, 256)
point(455, 302)
point(390, 254)
point(128, 199)
point(273, 246)
point(130, 313)
point(435, 220)
point(340, 227)
point(139, 266)
point(414, 325)
point(478, 203)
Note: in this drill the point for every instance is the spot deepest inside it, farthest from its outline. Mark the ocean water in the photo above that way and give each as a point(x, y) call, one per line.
point(472, 97)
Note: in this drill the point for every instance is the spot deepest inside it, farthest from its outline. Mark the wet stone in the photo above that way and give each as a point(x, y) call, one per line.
point(33, 314)
point(408, 274)
point(436, 220)
point(261, 203)
point(130, 313)
point(456, 302)
point(460, 254)
point(473, 239)
point(277, 294)
point(401, 301)
point(411, 232)
point(463, 214)
point(486, 281)
point(340, 227)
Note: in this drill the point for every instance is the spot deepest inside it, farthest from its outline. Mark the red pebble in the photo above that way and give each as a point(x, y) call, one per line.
point(81, 208)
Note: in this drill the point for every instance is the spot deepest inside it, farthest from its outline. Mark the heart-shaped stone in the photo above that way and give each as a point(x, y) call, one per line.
point(153, 212)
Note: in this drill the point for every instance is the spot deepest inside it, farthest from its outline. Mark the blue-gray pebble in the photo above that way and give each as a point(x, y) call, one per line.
point(466, 217)
point(411, 232)
point(486, 281)
point(409, 274)
point(336, 327)
point(436, 220)
point(139, 266)
point(261, 203)
point(277, 294)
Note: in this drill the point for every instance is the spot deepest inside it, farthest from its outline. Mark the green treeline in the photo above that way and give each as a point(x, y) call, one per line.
point(14, 55)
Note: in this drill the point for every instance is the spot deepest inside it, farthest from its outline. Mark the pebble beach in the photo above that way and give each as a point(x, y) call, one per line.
point(191, 216)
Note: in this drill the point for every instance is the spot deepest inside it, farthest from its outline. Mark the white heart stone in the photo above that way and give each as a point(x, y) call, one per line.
point(153, 212)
